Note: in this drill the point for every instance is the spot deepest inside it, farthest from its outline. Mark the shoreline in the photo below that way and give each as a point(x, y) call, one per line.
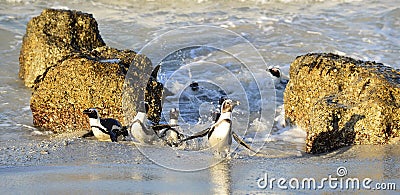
point(73, 165)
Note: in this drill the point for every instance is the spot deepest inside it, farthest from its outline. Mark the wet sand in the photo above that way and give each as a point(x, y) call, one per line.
point(82, 166)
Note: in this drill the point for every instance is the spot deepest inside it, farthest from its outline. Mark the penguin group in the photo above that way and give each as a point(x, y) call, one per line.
point(219, 134)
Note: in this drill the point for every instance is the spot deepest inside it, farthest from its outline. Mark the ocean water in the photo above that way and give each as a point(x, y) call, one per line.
point(224, 46)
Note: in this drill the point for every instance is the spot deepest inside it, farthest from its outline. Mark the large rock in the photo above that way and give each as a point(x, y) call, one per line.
point(340, 101)
point(70, 69)
point(54, 36)
point(78, 83)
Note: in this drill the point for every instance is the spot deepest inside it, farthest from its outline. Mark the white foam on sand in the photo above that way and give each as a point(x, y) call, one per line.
point(282, 130)
point(292, 134)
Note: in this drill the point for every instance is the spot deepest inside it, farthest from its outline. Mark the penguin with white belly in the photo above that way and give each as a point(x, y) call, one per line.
point(220, 133)
point(104, 129)
point(140, 129)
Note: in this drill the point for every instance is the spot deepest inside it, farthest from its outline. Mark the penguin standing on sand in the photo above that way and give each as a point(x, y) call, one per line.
point(148, 111)
point(104, 129)
point(140, 129)
point(220, 133)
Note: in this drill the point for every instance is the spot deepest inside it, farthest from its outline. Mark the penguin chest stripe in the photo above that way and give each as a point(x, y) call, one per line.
point(221, 129)
point(101, 129)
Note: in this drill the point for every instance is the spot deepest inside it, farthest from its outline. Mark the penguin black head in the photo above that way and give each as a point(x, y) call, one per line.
point(222, 99)
point(228, 105)
point(194, 86)
point(174, 113)
point(275, 72)
point(217, 114)
point(91, 112)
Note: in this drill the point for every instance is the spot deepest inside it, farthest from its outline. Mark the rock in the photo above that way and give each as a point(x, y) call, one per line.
point(340, 101)
point(154, 95)
point(152, 92)
point(72, 70)
point(77, 83)
point(54, 36)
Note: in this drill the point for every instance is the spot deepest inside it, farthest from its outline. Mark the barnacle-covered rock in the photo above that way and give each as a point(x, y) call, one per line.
point(64, 59)
point(340, 101)
point(54, 36)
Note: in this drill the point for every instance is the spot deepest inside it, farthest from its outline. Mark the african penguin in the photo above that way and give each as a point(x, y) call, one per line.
point(139, 128)
point(277, 72)
point(220, 134)
point(194, 86)
point(280, 79)
point(104, 129)
point(171, 133)
point(173, 116)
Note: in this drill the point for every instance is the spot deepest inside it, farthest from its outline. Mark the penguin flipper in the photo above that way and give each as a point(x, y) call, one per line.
point(241, 142)
point(174, 130)
point(160, 127)
point(88, 134)
point(196, 135)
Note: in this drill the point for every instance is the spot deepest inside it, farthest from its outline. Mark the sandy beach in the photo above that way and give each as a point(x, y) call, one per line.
point(80, 166)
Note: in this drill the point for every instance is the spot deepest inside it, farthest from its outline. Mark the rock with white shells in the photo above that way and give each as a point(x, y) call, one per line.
point(340, 101)
point(66, 62)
